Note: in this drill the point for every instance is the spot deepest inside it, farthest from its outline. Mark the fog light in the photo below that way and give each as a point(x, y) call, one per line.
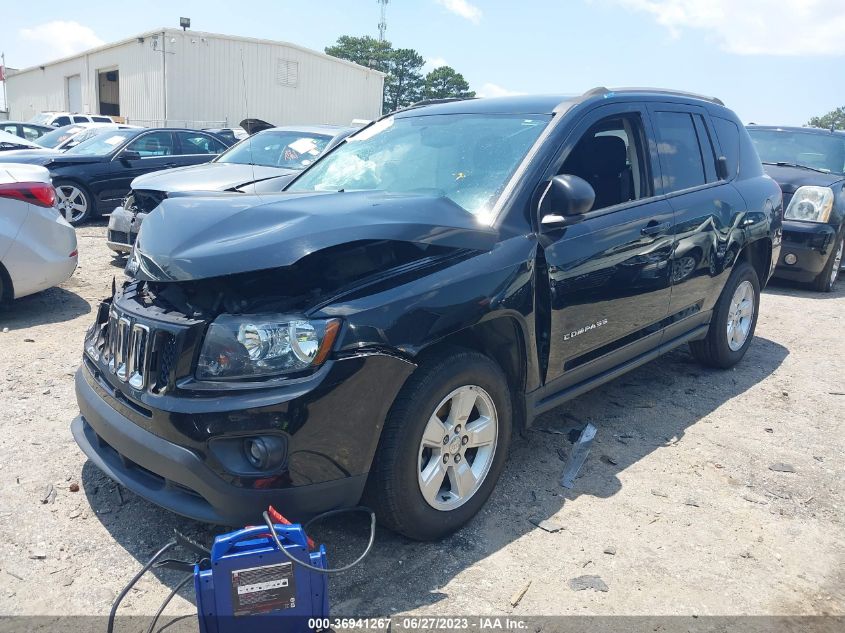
point(264, 453)
point(790, 259)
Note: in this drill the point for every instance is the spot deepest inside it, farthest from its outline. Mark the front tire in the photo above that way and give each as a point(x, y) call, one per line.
point(826, 281)
point(734, 320)
point(443, 447)
point(74, 201)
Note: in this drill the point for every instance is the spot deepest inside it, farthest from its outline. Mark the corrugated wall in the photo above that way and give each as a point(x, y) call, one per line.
point(141, 85)
point(210, 78)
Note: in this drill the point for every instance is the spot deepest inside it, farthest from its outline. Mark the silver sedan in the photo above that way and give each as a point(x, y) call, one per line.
point(37, 245)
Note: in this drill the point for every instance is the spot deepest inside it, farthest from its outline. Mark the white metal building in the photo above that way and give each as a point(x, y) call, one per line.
point(192, 79)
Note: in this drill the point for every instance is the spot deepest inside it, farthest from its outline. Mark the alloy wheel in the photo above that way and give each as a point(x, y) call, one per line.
point(740, 315)
point(457, 447)
point(71, 203)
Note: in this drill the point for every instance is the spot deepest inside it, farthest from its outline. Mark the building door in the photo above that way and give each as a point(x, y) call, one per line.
point(108, 89)
point(74, 93)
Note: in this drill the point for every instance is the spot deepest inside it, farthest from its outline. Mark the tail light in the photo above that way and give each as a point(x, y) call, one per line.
point(41, 194)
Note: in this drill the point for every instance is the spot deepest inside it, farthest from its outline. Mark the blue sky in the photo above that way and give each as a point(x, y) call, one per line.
point(772, 62)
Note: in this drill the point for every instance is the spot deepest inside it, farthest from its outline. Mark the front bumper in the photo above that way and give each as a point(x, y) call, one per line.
point(811, 244)
point(333, 433)
point(123, 229)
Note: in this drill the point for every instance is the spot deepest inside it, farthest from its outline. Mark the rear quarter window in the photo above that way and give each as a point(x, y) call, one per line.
point(728, 135)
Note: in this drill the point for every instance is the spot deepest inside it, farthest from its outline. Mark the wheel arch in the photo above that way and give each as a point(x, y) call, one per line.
point(504, 340)
point(7, 289)
point(759, 254)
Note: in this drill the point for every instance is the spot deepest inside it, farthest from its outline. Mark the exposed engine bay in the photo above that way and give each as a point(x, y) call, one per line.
point(309, 281)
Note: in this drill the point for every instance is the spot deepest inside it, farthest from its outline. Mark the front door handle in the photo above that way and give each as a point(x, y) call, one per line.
point(653, 228)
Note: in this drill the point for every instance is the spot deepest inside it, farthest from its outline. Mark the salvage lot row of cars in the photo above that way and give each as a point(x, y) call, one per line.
point(474, 262)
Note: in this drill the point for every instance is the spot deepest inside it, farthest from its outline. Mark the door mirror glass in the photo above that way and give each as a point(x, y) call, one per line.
point(130, 154)
point(567, 196)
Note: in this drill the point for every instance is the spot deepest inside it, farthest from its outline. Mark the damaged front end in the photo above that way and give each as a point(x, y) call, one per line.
point(214, 394)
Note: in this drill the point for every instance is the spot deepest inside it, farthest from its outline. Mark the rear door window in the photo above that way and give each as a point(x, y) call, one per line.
point(195, 143)
point(679, 150)
point(61, 121)
point(31, 133)
point(728, 134)
point(81, 119)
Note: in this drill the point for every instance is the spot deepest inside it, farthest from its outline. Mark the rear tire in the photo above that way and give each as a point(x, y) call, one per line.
point(732, 325)
point(443, 447)
point(826, 281)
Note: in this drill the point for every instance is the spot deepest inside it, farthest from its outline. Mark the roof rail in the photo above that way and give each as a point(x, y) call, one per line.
point(680, 93)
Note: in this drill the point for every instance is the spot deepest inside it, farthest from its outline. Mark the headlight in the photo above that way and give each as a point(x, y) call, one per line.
point(133, 263)
point(259, 345)
point(812, 204)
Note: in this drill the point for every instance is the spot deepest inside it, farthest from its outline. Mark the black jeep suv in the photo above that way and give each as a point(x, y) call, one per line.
point(416, 297)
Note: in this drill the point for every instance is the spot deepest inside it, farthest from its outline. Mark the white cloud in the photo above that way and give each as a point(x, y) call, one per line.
point(435, 62)
point(755, 27)
point(462, 8)
point(60, 38)
point(494, 90)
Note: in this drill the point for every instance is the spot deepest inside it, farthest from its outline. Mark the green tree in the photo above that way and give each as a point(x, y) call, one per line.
point(834, 119)
point(366, 51)
point(404, 82)
point(445, 83)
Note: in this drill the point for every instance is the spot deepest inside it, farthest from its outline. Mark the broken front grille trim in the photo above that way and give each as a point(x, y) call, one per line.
point(138, 354)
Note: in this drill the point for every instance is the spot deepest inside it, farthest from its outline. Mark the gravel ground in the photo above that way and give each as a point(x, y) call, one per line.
point(680, 509)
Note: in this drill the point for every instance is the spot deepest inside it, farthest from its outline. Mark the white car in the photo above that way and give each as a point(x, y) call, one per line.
point(60, 119)
point(37, 245)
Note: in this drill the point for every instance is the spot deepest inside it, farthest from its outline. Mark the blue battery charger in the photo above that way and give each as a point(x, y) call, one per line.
point(248, 580)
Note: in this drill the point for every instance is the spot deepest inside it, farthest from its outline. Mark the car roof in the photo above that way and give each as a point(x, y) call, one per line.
point(549, 104)
point(788, 128)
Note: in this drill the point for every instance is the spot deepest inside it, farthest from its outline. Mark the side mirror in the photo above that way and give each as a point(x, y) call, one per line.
point(130, 154)
point(567, 196)
point(722, 168)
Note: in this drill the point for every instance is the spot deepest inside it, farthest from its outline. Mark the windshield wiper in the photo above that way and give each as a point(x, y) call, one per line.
point(799, 165)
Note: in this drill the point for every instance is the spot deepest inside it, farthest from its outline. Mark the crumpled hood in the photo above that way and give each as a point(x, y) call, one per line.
point(790, 178)
point(189, 238)
point(207, 177)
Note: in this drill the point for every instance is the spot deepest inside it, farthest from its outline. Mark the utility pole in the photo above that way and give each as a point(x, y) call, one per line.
point(3, 73)
point(382, 26)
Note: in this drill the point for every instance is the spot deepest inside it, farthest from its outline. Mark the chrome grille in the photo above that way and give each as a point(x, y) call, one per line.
point(136, 353)
point(139, 357)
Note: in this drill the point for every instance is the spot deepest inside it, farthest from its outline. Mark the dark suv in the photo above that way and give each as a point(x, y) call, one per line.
point(416, 297)
point(809, 165)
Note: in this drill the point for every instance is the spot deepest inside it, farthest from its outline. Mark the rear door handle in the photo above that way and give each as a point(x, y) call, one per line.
point(653, 228)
